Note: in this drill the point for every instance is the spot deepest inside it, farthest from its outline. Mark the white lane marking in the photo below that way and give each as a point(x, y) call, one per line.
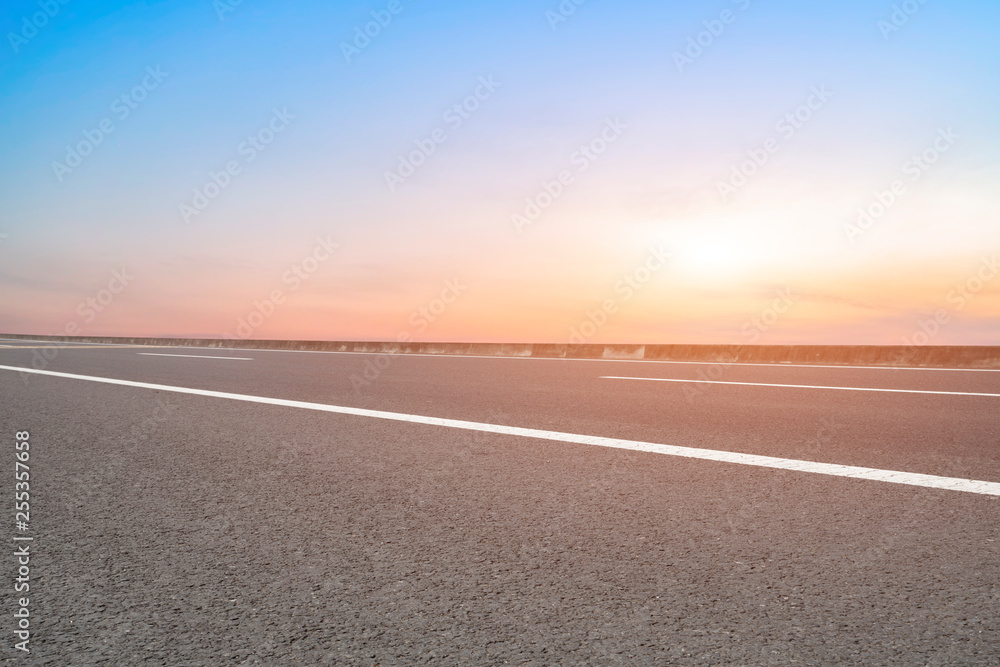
point(804, 386)
point(76, 342)
point(34, 340)
point(836, 470)
point(782, 364)
point(192, 356)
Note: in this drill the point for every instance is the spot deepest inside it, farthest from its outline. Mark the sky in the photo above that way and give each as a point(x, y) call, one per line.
point(734, 171)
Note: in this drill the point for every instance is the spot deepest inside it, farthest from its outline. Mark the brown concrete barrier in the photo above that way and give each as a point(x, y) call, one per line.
point(931, 356)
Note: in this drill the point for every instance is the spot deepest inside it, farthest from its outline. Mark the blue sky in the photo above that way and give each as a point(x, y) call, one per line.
point(890, 94)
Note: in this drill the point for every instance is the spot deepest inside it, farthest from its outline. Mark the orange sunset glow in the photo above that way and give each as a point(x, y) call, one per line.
point(860, 191)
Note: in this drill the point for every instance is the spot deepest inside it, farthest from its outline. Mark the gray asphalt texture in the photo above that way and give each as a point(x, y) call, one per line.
point(185, 530)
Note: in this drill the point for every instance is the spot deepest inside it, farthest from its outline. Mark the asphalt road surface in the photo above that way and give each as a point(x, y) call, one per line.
point(189, 523)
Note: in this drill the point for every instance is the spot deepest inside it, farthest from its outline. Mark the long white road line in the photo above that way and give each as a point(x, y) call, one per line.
point(805, 386)
point(854, 472)
point(192, 356)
